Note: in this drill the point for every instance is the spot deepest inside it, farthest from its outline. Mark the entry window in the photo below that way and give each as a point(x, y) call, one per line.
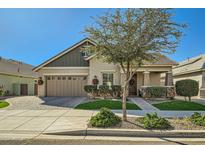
point(59, 78)
point(63, 78)
point(48, 78)
point(107, 79)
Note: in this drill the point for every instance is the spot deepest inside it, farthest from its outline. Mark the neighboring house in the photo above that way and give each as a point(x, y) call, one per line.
point(193, 68)
point(67, 73)
point(17, 78)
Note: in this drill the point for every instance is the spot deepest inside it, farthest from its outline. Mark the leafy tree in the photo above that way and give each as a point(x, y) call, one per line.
point(129, 37)
point(187, 88)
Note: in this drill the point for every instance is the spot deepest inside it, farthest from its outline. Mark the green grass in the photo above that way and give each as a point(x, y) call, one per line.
point(111, 104)
point(3, 104)
point(180, 105)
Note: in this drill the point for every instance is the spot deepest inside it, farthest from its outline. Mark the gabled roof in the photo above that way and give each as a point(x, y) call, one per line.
point(63, 53)
point(190, 65)
point(161, 60)
point(16, 68)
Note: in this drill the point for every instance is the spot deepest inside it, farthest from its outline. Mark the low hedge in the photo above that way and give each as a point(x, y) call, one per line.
point(116, 90)
point(187, 88)
point(154, 92)
point(103, 90)
point(152, 121)
point(91, 90)
point(157, 92)
point(105, 118)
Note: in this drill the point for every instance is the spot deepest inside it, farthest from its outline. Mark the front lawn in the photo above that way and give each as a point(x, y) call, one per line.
point(111, 104)
point(3, 104)
point(180, 105)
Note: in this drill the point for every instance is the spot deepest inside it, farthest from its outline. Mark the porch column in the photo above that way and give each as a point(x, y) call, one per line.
point(146, 81)
point(169, 79)
point(203, 80)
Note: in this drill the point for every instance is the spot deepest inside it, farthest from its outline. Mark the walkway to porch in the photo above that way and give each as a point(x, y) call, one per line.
point(142, 103)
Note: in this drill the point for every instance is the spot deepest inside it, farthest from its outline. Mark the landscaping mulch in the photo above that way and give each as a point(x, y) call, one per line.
point(176, 123)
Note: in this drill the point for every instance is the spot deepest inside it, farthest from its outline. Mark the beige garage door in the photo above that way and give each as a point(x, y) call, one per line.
point(66, 85)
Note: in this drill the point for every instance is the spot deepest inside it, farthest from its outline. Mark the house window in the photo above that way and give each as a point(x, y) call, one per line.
point(107, 79)
point(84, 54)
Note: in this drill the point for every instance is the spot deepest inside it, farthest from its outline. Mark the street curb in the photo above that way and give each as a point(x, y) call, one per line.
point(145, 133)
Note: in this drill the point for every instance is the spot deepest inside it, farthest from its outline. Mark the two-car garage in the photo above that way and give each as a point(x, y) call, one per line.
point(65, 85)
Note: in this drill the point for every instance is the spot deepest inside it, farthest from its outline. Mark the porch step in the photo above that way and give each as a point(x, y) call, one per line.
point(144, 105)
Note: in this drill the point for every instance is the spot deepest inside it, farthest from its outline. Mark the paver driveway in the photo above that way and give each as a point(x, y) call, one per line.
point(45, 103)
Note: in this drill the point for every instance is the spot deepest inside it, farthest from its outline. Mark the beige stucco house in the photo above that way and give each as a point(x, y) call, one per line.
point(193, 68)
point(66, 73)
point(17, 78)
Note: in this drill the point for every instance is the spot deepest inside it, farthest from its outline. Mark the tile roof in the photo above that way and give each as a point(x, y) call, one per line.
point(161, 60)
point(13, 67)
point(190, 65)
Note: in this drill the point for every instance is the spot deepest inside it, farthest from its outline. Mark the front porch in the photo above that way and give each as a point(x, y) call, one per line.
point(147, 79)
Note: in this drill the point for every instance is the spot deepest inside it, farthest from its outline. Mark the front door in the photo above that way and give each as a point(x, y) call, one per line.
point(133, 85)
point(24, 89)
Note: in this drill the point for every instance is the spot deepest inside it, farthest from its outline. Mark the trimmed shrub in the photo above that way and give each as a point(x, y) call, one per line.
point(197, 119)
point(104, 90)
point(154, 92)
point(1, 90)
point(187, 88)
point(105, 118)
point(116, 90)
point(152, 121)
point(91, 89)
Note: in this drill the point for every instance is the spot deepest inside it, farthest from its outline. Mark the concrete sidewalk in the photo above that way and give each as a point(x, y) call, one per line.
point(33, 124)
point(43, 121)
point(144, 105)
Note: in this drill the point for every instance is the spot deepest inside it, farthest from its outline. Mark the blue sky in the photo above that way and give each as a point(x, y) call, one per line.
point(34, 35)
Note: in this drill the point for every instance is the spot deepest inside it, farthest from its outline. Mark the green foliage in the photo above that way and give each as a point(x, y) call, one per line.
point(197, 119)
point(111, 104)
point(156, 92)
point(153, 30)
point(152, 121)
point(187, 88)
point(129, 37)
point(3, 104)
point(116, 90)
point(90, 88)
point(105, 118)
point(104, 90)
point(1, 90)
point(180, 105)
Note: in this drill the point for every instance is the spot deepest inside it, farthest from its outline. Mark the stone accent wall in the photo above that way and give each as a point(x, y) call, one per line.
point(169, 79)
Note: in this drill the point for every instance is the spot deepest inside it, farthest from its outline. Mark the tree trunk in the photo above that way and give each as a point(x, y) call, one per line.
point(124, 96)
point(189, 99)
